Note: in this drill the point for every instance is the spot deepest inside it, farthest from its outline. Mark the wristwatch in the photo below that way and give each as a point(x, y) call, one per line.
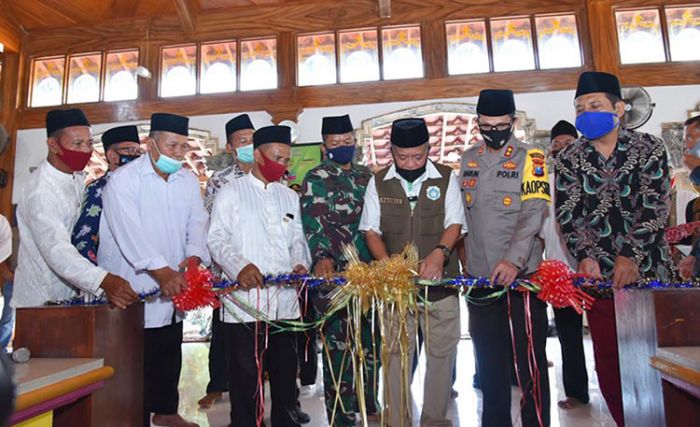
point(446, 252)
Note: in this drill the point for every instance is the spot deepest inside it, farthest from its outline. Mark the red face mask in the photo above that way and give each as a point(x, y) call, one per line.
point(75, 160)
point(272, 171)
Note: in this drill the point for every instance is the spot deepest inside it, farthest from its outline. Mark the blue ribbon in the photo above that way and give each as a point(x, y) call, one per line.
point(463, 282)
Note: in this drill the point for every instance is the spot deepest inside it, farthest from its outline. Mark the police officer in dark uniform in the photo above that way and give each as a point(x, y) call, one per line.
point(506, 192)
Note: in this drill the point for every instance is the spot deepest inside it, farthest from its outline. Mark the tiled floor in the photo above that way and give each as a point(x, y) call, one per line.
point(464, 410)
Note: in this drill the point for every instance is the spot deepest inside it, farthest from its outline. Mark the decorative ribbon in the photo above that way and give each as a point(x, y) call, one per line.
point(553, 282)
point(679, 232)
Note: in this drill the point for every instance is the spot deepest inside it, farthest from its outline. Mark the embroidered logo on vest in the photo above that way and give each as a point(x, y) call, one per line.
point(433, 192)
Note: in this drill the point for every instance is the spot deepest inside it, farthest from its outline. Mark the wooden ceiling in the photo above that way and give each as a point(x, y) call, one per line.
point(48, 14)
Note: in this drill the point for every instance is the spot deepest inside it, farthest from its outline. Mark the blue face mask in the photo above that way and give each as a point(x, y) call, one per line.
point(341, 155)
point(126, 158)
point(596, 124)
point(245, 153)
point(166, 164)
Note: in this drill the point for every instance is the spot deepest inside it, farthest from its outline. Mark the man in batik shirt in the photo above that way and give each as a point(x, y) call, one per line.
point(121, 145)
point(331, 206)
point(236, 160)
point(612, 200)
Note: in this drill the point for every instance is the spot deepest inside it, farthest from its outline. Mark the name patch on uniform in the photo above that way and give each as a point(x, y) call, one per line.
point(535, 184)
point(391, 200)
point(471, 173)
point(433, 192)
point(507, 174)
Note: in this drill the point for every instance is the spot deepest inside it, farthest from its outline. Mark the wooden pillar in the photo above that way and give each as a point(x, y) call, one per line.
point(12, 69)
point(601, 27)
point(149, 57)
point(434, 49)
point(286, 107)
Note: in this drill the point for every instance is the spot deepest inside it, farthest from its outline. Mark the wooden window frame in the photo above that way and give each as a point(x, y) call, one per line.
point(336, 54)
point(380, 41)
point(666, 33)
point(240, 62)
point(487, 42)
point(662, 28)
point(237, 65)
point(100, 77)
point(103, 86)
point(161, 73)
point(577, 18)
point(30, 91)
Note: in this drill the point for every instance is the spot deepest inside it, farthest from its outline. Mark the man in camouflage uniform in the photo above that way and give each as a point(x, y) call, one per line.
point(331, 205)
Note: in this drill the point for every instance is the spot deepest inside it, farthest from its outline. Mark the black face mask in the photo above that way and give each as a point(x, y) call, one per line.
point(411, 175)
point(496, 139)
point(126, 158)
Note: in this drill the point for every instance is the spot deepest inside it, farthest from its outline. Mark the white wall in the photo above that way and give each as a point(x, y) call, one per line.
point(672, 104)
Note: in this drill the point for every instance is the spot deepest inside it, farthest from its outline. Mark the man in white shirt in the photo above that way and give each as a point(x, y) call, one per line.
point(568, 322)
point(418, 201)
point(7, 313)
point(155, 224)
point(49, 266)
point(256, 230)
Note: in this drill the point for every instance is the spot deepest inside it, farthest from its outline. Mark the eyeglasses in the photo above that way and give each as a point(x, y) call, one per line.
point(498, 127)
point(129, 151)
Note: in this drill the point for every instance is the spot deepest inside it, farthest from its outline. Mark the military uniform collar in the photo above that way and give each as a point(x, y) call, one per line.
point(333, 166)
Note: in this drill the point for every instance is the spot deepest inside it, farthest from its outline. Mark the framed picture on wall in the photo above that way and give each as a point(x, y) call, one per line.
point(304, 158)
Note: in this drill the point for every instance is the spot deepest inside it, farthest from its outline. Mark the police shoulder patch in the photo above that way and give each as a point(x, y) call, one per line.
point(535, 183)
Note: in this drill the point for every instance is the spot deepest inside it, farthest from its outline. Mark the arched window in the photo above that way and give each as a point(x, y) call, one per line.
point(47, 92)
point(121, 85)
point(219, 77)
point(179, 81)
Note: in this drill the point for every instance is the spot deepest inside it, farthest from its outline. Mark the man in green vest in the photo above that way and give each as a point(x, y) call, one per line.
point(417, 201)
point(506, 192)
